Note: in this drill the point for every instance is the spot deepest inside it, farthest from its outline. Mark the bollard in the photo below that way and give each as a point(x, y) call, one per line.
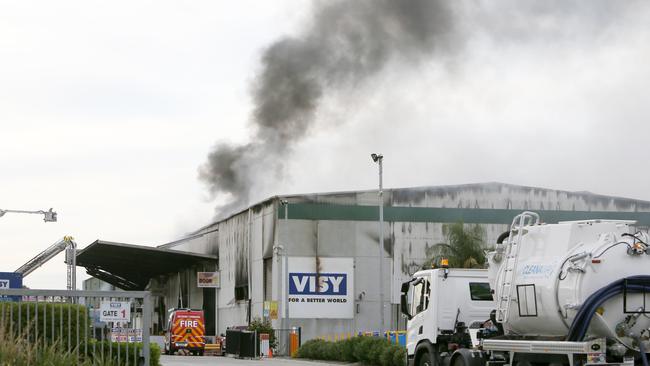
point(293, 342)
point(265, 345)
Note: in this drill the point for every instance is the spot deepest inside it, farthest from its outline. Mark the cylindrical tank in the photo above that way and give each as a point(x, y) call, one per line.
point(557, 268)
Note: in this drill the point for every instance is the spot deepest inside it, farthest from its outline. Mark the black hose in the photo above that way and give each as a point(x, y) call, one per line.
point(644, 357)
point(578, 329)
point(610, 247)
point(503, 237)
point(582, 319)
point(493, 319)
point(635, 237)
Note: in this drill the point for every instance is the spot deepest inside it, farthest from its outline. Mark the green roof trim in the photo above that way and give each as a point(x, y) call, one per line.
point(322, 211)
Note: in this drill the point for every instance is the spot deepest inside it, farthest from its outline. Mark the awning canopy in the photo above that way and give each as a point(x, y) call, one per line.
point(130, 267)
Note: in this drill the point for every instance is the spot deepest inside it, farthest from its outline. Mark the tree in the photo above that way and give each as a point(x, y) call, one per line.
point(264, 326)
point(464, 246)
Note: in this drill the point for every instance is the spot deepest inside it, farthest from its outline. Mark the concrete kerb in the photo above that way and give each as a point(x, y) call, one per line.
point(307, 360)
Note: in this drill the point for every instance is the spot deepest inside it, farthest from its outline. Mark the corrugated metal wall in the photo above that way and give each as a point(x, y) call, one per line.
point(345, 225)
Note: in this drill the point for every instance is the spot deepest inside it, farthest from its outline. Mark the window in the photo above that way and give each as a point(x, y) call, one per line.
point(527, 300)
point(268, 275)
point(420, 301)
point(425, 298)
point(241, 293)
point(170, 321)
point(636, 303)
point(480, 291)
point(417, 298)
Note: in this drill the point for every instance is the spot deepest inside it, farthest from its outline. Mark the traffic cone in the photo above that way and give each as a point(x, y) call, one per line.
point(270, 353)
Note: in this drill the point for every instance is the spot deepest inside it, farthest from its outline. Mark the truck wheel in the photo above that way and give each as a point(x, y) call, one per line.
point(523, 363)
point(458, 361)
point(465, 357)
point(425, 359)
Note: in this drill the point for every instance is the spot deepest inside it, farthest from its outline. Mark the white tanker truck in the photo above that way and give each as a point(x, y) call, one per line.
point(572, 293)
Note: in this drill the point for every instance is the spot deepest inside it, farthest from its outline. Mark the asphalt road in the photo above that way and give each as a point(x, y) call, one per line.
point(229, 361)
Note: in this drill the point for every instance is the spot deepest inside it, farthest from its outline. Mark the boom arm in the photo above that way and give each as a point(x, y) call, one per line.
point(50, 216)
point(67, 244)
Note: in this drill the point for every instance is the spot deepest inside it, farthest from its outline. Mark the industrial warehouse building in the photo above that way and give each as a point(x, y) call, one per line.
point(330, 242)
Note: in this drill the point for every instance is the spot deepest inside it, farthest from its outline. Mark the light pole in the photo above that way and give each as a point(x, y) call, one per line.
point(278, 252)
point(285, 298)
point(283, 280)
point(48, 216)
point(379, 158)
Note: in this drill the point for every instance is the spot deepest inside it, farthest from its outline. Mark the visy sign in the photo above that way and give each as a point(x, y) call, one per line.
point(318, 284)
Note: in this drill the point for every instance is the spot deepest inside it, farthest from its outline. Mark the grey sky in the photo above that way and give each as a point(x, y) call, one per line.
point(107, 109)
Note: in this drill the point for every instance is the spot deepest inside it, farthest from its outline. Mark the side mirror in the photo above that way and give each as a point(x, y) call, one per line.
point(404, 306)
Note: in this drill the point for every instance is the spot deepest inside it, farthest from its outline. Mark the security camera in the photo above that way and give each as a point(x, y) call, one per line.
point(376, 157)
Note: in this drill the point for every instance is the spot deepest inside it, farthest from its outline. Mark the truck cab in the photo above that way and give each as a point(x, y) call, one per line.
point(185, 331)
point(445, 309)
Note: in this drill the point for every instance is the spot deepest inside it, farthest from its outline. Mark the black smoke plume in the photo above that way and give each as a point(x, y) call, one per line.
point(346, 43)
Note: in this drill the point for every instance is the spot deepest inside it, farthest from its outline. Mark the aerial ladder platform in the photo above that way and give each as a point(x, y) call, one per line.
point(68, 244)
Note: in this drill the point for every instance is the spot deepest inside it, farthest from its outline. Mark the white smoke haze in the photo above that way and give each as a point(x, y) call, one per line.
point(538, 93)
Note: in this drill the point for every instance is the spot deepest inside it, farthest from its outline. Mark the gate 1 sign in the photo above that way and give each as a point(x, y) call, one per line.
point(115, 311)
point(10, 280)
point(321, 288)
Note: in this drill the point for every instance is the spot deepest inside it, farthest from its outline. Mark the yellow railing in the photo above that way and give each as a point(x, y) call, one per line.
point(394, 336)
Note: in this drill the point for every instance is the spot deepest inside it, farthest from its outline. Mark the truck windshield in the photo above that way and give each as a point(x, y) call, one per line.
point(480, 291)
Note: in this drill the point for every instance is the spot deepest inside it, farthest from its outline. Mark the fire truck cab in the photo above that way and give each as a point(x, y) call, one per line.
point(185, 331)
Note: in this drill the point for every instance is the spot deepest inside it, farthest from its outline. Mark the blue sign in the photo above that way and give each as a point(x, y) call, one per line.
point(318, 284)
point(10, 280)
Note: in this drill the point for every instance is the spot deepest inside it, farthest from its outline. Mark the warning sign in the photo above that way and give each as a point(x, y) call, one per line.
point(129, 335)
point(271, 309)
point(207, 279)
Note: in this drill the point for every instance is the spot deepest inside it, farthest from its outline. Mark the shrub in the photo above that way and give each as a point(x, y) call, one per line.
point(369, 350)
point(46, 341)
point(399, 358)
point(264, 326)
point(347, 348)
point(56, 321)
point(319, 350)
point(386, 356)
point(18, 351)
point(111, 352)
point(331, 351)
point(376, 349)
point(363, 348)
point(309, 349)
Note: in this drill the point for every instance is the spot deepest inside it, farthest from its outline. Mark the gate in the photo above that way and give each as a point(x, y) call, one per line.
point(78, 322)
point(287, 341)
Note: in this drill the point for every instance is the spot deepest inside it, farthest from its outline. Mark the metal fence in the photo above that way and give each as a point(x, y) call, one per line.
point(283, 340)
point(73, 322)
